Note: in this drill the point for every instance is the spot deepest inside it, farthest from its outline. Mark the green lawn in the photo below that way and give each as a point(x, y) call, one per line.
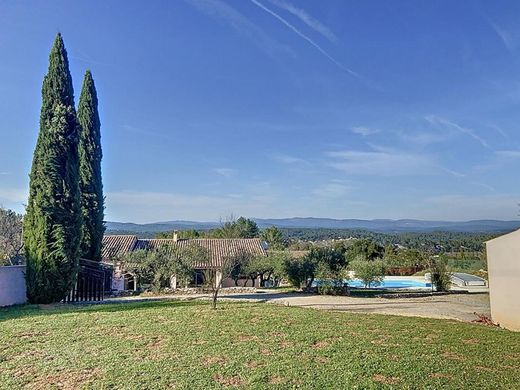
point(186, 345)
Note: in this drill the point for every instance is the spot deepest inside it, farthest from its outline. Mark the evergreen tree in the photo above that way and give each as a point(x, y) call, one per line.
point(52, 225)
point(91, 186)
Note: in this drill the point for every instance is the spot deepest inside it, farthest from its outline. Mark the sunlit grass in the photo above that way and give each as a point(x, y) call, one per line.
point(186, 345)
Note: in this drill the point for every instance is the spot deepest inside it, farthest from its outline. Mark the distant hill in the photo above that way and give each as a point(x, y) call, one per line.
point(389, 225)
point(376, 225)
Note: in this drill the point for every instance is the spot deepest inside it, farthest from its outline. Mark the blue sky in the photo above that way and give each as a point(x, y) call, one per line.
point(280, 108)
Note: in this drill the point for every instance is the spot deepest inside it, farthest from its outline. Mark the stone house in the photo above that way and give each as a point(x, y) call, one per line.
point(116, 246)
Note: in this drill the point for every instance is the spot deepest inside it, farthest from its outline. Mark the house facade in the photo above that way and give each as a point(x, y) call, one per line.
point(116, 247)
point(503, 258)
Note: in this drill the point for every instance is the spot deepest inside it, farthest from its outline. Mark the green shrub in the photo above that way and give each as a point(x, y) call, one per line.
point(440, 277)
point(332, 287)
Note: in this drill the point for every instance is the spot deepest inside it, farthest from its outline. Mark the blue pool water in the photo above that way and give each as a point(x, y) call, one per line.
point(387, 283)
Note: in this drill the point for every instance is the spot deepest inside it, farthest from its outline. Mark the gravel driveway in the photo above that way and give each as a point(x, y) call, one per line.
point(454, 306)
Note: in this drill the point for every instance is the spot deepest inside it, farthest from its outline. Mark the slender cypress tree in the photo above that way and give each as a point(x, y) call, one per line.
point(52, 225)
point(91, 186)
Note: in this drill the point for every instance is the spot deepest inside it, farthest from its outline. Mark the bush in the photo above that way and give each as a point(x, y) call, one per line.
point(332, 287)
point(440, 277)
point(371, 272)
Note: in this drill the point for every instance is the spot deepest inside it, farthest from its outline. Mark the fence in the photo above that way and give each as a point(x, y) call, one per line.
point(93, 280)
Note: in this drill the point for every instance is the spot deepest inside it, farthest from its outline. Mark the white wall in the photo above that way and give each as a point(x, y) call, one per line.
point(12, 285)
point(503, 257)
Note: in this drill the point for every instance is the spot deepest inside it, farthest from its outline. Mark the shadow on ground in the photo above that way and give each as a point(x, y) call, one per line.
point(22, 311)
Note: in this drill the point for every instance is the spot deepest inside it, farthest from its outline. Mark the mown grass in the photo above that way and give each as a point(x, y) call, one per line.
point(186, 345)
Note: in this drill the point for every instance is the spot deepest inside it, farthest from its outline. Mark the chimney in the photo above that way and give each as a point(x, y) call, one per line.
point(175, 236)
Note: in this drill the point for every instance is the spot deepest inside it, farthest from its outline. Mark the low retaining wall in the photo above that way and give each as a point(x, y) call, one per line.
point(12, 285)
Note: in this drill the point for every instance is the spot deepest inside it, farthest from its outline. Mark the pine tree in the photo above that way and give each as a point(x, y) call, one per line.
point(52, 225)
point(91, 186)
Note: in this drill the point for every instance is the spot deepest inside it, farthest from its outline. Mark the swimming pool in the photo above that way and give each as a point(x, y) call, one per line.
point(388, 282)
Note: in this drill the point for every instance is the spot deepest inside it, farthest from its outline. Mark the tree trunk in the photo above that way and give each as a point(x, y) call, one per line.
point(214, 300)
point(268, 278)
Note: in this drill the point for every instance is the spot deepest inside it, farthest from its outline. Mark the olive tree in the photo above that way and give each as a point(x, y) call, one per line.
point(156, 266)
point(10, 237)
point(213, 276)
point(370, 272)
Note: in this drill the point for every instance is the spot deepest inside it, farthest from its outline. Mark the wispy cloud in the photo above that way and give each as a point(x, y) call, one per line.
point(483, 185)
point(505, 36)
point(4, 173)
point(84, 57)
point(442, 122)
point(226, 172)
point(364, 131)
point(424, 137)
point(382, 162)
point(500, 131)
point(222, 11)
point(310, 21)
point(453, 173)
point(305, 37)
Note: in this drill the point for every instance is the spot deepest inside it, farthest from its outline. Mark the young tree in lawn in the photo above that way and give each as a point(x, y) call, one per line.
point(10, 237)
point(52, 224)
point(91, 186)
point(213, 275)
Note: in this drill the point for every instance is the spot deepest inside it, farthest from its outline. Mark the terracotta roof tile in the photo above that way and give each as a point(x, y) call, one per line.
point(218, 248)
point(114, 246)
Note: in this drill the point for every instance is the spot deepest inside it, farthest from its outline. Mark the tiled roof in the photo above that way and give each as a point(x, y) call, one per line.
point(218, 248)
point(114, 246)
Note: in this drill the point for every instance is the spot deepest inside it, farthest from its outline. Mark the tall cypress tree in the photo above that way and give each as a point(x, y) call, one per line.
point(91, 186)
point(52, 225)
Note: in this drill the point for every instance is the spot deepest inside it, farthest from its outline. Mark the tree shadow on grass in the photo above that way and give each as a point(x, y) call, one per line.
point(25, 311)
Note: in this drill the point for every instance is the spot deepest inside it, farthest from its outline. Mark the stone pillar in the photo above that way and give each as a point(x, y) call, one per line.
point(173, 282)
